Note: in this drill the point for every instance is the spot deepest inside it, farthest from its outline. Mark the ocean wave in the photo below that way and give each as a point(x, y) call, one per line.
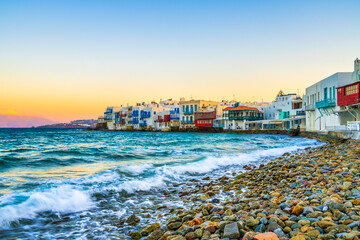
point(211, 163)
point(138, 185)
point(63, 199)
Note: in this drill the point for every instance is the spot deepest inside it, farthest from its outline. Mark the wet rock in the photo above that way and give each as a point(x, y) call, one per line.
point(155, 235)
point(174, 225)
point(249, 236)
point(325, 224)
point(133, 219)
point(297, 210)
point(150, 229)
point(313, 233)
point(231, 231)
point(135, 235)
point(266, 236)
point(252, 221)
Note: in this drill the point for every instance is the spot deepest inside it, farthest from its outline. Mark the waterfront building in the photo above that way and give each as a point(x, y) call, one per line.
point(175, 116)
point(236, 117)
point(348, 100)
point(109, 116)
point(120, 119)
point(323, 112)
point(101, 119)
point(204, 119)
point(189, 108)
point(163, 120)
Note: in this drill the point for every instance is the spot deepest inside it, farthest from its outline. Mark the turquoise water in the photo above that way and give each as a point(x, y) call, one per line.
point(74, 184)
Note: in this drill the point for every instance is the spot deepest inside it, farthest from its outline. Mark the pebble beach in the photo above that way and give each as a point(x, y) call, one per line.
point(312, 194)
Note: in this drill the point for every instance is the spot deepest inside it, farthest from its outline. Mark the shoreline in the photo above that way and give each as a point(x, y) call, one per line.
point(306, 195)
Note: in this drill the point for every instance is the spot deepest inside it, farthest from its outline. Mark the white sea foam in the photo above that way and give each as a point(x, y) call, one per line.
point(136, 169)
point(138, 185)
point(211, 163)
point(63, 199)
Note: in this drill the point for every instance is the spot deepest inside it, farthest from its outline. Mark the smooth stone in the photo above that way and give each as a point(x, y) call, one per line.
point(231, 231)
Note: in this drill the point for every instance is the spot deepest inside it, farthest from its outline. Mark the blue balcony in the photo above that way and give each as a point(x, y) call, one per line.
point(144, 114)
point(108, 118)
point(326, 103)
point(187, 122)
point(135, 113)
point(144, 124)
point(108, 111)
point(300, 113)
point(117, 121)
point(135, 121)
point(188, 112)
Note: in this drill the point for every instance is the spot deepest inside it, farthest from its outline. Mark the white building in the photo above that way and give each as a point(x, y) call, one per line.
point(320, 102)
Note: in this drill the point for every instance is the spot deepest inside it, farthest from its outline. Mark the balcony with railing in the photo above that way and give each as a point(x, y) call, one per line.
point(174, 116)
point(310, 107)
point(143, 124)
point(108, 118)
point(135, 121)
point(326, 103)
point(135, 113)
point(108, 111)
point(188, 112)
point(247, 118)
point(187, 122)
point(145, 114)
point(300, 113)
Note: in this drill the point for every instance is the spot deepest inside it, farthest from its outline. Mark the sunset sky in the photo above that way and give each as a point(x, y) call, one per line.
point(67, 60)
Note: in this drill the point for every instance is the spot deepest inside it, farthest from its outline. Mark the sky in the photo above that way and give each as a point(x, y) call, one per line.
point(67, 60)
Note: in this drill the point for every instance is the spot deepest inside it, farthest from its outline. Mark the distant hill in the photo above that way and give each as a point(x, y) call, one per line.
point(18, 121)
point(85, 123)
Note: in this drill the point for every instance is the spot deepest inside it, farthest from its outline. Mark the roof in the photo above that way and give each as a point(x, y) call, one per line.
point(241, 108)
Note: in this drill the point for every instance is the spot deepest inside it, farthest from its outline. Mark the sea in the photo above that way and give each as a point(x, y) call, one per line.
point(78, 184)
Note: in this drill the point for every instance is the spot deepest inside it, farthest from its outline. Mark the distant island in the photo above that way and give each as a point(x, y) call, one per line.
point(84, 123)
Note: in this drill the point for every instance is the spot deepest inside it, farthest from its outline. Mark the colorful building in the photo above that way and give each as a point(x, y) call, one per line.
point(189, 108)
point(329, 102)
point(204, 119)
point(236, 117)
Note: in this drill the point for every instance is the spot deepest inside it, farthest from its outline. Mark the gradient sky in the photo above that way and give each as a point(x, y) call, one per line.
point(68, 60)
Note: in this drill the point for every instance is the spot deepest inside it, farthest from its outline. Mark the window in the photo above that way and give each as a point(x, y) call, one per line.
point(352, 89)
point(325, 93)
point(195, 108)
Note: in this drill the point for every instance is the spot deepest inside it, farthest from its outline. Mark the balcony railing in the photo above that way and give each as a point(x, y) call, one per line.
point(248, 118)
point(108, 118)
point(145, 114)
point(143, 124)
point(135, 113)
point(300, 113)
point(187, 122)
point(326, 103)
point(189, 112)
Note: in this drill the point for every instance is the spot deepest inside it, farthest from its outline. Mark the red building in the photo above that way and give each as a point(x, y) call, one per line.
point(348, 94)
point(204, 119)
point(166, 118)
